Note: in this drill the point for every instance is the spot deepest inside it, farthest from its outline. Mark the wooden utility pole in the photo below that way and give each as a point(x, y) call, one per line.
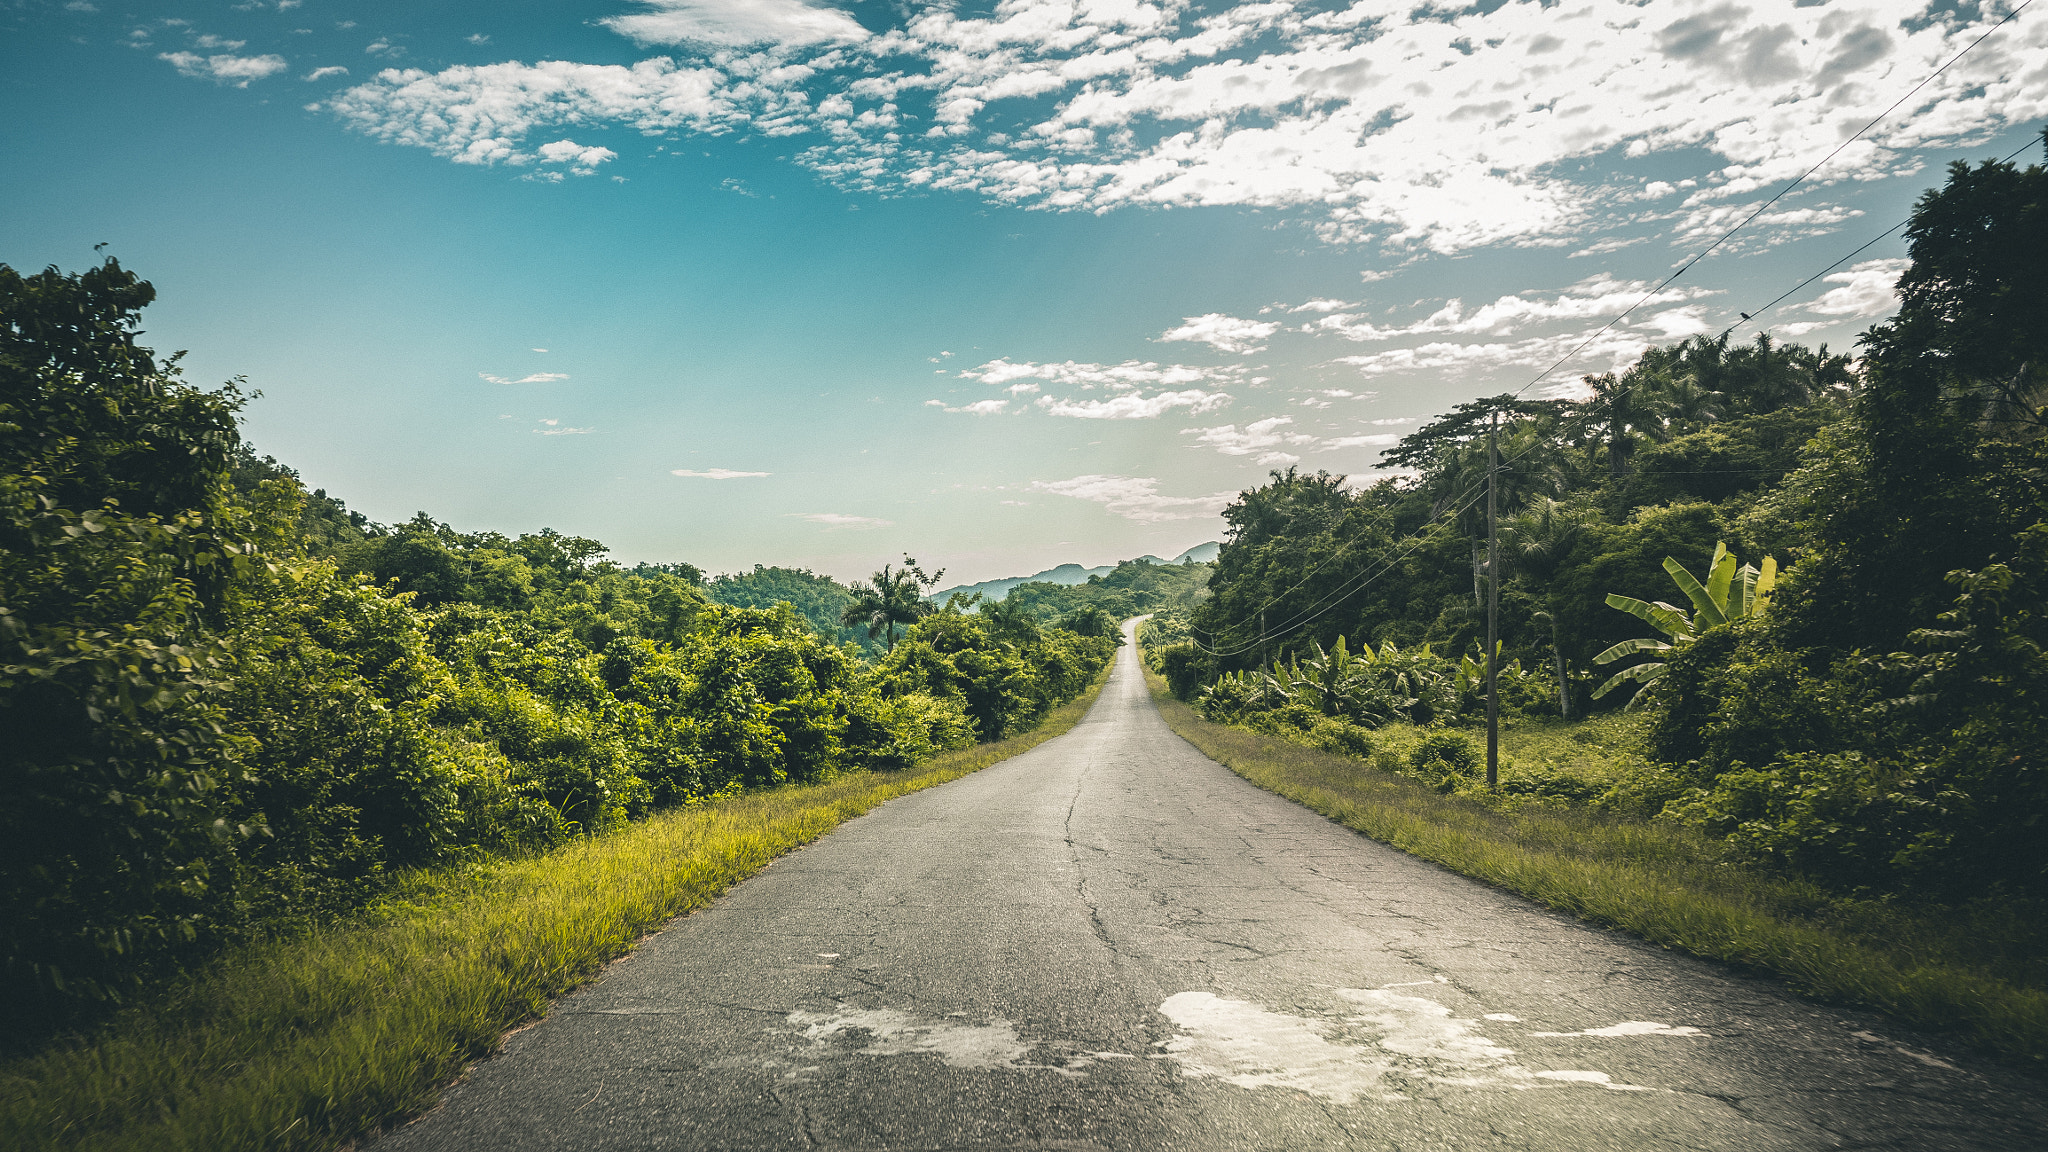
point(1492, 606)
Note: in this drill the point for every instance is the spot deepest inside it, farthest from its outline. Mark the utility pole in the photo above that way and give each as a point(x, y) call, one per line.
point(1492, 607)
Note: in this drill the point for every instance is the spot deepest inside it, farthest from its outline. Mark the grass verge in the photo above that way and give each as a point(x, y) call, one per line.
point(316, 1041)
point(1654, 880)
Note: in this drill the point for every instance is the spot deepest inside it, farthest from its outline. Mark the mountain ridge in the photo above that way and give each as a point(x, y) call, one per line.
point(1071, 573)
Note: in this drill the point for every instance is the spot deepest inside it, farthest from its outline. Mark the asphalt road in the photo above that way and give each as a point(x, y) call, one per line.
point(1111, 942)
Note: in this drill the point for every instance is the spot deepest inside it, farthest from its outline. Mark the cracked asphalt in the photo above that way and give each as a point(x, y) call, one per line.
point(1111, 942)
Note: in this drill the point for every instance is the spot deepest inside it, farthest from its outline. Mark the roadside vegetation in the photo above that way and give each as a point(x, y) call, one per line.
point(317, 1039)
point(238, 715)
point(1772, 623)
point(1973, 970)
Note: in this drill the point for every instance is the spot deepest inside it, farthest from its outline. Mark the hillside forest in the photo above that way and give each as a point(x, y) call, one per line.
point(1819, 580)
point(233, 708)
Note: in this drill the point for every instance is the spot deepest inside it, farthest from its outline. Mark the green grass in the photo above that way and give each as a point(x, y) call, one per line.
point(1925, 967)
point(324, 1038)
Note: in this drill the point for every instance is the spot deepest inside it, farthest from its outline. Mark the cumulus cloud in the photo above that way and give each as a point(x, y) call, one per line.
point(978, 408)
point(1223, 333)
point(715, 473)
point(1129, 374)
point(1593, 297)
point(1866, 289)
point(1262, 438)
point(841, 520)
point(224, 68)
point(1136, 497)
point(733, 23)
point(1135, 405)
point(1613, 351)
point(1432, 129)
point(570, 152)
point(534, 378)
point(324, 73)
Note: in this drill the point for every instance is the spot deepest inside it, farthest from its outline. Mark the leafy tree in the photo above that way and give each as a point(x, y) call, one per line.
point(891, 598)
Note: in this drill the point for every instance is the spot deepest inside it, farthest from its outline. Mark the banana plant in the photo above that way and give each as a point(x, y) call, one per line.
point(1730, 593)
point(1325, 673)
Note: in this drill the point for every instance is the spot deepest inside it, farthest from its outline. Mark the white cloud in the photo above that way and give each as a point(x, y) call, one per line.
point(1262, 438)
point(1322, 305)
point(1129, 374)
point(478, 38)
point(1613, 351)
point(210, 41)
point(224, 69)
point(482, 114)
point(1440, 129)
point(1866, 289)
point(978, 408)
point(1136, 498)
point(841, 520)
point(715, 473)
point(1377, 440)
point(737, 22)
point(1135, 405)
point(1592, 297)
point(584, 159)
point(534, 378)
point(1221, 332)
point(324, 73)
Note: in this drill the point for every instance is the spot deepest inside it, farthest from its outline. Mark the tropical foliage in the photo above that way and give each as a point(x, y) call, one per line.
point(1878, 730)
point(1730, 593)
point(232, 707)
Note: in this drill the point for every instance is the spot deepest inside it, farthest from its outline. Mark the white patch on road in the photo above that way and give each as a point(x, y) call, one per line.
point(1389, 1042)
point(1629, 1028)
point(892, 1033)
point(1600, 1078)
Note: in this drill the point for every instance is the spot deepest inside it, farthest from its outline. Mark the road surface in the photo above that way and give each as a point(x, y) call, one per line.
point(1111, 942)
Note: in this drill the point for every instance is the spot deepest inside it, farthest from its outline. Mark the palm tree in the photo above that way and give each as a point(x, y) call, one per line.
point(890, 598)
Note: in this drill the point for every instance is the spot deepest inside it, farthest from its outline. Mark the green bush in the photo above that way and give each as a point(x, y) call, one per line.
point(1445, 760)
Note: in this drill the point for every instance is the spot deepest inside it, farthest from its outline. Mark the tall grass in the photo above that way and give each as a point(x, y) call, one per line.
point(314, 1041)
point(1661, 883)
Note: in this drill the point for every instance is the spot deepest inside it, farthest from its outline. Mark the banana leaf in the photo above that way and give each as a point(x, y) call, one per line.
point(1718, 578)
point(1638, 673)
point(1630, 648)
point(1660, 615)
point(1706, 613)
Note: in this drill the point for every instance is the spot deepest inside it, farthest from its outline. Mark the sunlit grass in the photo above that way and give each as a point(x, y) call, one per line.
point(314, 1041)
point(1928, 967)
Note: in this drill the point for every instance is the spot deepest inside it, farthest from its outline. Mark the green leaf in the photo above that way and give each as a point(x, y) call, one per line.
point(1639, 673)
point(1719, 576)
point(1630, 648)
point(1706, 612)
point(1660, 616)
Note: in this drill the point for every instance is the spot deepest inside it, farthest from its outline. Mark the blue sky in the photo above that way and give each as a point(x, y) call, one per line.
point(1002, 285)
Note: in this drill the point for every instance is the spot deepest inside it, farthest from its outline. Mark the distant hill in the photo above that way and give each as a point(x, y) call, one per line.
point(1069, 574)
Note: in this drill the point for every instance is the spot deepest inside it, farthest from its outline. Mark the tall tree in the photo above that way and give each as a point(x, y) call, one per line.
point(891, 597)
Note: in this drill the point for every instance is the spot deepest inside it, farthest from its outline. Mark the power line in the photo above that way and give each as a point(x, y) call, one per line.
point(1765, 206)
point(1748, 317)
